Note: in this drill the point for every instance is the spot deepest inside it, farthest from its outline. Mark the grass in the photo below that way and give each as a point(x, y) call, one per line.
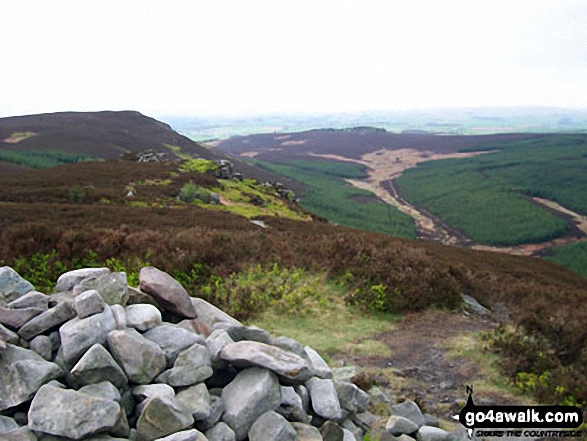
point(486, 196)
point(330, 197)
point(331, 329)
point(573, 257)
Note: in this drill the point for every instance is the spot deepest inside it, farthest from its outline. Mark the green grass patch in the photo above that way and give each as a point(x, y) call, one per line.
point(41, 159)
point(572, 257)
point(486, 196)
point(198, 165)
point(329, 196)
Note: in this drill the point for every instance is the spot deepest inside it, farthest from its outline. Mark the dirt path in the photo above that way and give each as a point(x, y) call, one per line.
point(434, 356)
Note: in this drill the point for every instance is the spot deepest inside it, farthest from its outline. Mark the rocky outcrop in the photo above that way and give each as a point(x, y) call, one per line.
point(175, 368)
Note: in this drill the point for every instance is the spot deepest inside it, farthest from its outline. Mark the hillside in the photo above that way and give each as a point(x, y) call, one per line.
point(66, 137)
point(75, 215)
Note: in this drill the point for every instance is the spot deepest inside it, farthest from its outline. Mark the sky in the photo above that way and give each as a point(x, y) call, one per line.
point(245, 57)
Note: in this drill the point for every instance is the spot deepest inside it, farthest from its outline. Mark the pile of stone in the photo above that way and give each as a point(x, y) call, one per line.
point(100, 360)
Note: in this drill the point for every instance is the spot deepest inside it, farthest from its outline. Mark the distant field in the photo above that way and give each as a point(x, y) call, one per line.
point(41, 159)
point(486, 197)
point(573, 257)
point(329, 196)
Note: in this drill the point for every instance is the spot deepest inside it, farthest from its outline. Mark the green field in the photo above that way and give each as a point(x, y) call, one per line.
point(329, 196)
point(573, 257)
point(486, 196)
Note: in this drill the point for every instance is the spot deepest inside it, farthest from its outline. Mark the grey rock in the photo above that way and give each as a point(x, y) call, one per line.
point(398, 425)
point(58, 297)
point(119, 316)
point(138, 297)
point(302, 392)
point(319, 367)
point(22, 373)
point(287, 365)
point(2, 346)
point(7, 424)
point(43, 346)
point(345, 373)
point(210, 314)
point(197, 400)
point(65, 412)
point(68, 280)
point(186, 435)
point(364, 420)
point(19, 434)
point(429, 433)
point(290, 345)
point(49, 319)
point(33, 299)
point(431, 420)
point(236, 332)
point(305, 432)
point(7, 335)
point(16, 318)
point(78, 335)
point(105, 390)
point(112, 287)
point(351, 397)
point(141, 359)
point(472, 305)
point(96, 366)
point(216, 343)
point(173, 340)
point(12, 285)
point(142, 317)
point(348, 435)
point(216, 411)
point(179, 376)
point(324, 398)
point(410, 410)
point(253, 392)
point(88, 303)
point(162, 416)
point(348, 424)
point(331, 431)
point(378, 394)
point(143, 393)
point(271, 427)
point(253, 333)
point(220, 432)
point(291, 406)
point(167, 291)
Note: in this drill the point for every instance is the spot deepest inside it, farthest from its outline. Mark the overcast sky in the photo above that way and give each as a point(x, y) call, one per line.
point(222, 57)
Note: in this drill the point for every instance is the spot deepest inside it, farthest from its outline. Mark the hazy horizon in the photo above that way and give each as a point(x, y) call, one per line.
point(256, 58)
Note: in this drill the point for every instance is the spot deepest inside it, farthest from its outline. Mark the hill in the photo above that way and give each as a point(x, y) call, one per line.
point(67, 137)
point(75, 215)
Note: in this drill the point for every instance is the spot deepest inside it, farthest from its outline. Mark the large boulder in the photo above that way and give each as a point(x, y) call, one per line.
point(173, 340)
point(142, 317)
point(253, 392)
point(429, 433)
point(49, 319)
point(410, 410)
point(96, 366)
point(65, 412)
point(162, 416)
point(305, 432)
point(12, 285)
point(111, 286)
point(33, 299)
point(186, 435)
point(167, 291)
point(88, 303)
point(197, 400)
point(271, 427)
point(78, 335)
point(289, 366)
point(210, 314)
point(220, 432)
point(324, 398)
point(141, 359)
point(22, 373)
point(16, 318)
point(68, 280)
